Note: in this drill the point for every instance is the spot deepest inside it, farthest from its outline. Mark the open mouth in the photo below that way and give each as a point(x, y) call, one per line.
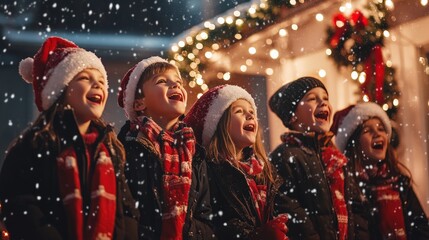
point(378, 145)
point(176, 97)
point(322, 115)
point(95, 98)
point(249, 127)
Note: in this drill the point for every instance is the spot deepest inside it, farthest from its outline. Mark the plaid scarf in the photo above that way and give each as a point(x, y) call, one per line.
point(252, 167)
point(387, 200)
point(98, 220)
point(334, 161)
point(176, 150)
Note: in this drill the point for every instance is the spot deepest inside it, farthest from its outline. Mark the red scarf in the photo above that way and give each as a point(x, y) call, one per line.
point(99, 220)
point(176, 150)
point(387, 200)
point(251, 168)
point(334, 162)
point(276, 228)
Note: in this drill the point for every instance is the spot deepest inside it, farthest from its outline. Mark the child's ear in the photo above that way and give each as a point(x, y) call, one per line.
point(139, 105)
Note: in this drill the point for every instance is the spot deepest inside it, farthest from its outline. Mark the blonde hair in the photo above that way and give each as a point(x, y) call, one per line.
point(150, 71)
point(221, 148)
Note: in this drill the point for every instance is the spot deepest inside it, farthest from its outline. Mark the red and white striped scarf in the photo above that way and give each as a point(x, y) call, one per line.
point(176, 150)
point(334, 161)
point(99, 221)
point(252, 167)
point(387, 200)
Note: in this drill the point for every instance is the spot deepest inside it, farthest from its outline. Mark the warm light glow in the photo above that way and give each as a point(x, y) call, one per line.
point(395, 102)
point(424, 2)
point(204, 87)
point(208, 54)
point(328, 52)
point(221, 20)
point(207, 24)
point(365, 98)
point(386, 33)
point(389, 4)
point(199, 46)
point(189, 40)
point(249, 62)
point(192, 84)
point(200, 81)
point(354, 75)
point(362, 77)
point(199, 95)
point(238, 36)
point(322, 73)
point(243, 68)
point(269, 41)
point(252, 10)
point(339, 24)
point(274, 54)
point(229, 20)
point(269, 71)
point(385, 107)
point(319, 17)
point(226, 76)
point(215, 46)
point(174, 48)
point(191, 56)
point(294, 27)
point(389, 63)
point(237, 13)
point(239, 22)
point(204, 35)
point(282, 32)
point(219, 75)
point(252, 50)
point(180, 58)
point(181, 44)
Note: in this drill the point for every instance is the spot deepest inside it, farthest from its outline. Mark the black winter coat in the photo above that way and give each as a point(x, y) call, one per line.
point(29, 189)
point(234, 212)
point(416, 222)
point(144, 175)
point(306, 196)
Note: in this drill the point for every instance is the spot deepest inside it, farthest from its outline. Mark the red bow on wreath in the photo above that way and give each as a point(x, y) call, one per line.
point(342, 24)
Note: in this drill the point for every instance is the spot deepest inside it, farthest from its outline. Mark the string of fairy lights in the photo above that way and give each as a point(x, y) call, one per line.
point(198, 49)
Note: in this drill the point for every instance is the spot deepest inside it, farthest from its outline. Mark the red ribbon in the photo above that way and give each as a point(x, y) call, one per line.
point(339, 31)
point(374, 62)
point(357, 20)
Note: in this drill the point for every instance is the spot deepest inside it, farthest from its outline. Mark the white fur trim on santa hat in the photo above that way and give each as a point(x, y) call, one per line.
point(61, 75)
point(130, 90)
point(226, 96)
point(358, 115)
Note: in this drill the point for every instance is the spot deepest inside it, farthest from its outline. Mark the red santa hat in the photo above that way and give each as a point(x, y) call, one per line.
point(56, 63)
point(129, 84)
point(206, 112)
point(347, 120)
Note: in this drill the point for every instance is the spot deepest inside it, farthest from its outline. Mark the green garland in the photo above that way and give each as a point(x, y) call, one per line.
point(226, 34)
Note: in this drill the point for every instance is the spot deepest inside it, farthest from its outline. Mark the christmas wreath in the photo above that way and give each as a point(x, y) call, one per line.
point(356, 41)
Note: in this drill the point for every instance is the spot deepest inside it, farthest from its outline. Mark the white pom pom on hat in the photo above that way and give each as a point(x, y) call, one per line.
point(26, 69)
